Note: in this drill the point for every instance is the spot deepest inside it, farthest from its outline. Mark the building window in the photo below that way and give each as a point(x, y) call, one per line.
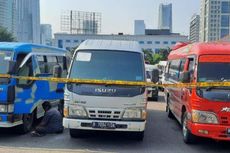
point(149, 42)
point(141, 42)
point(60, 43)
point(224, 32)
point(82, 40)
point(166, 42)
point(225, 7)
point(68, 41)
point(157, 42)
point(76, 41)
point(224, 21)
point(173, 42)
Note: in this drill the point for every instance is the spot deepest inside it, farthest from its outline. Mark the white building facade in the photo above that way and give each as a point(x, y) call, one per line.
point(46, 34)
point(165, 16)
point(194, 28)
point(8, 15)
point(214, 20)
point(149, 42)
point(28, 21)
point(139, 27)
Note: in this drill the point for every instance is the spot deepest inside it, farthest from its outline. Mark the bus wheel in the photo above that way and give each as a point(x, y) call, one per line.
point(26, 126)
point(188, 137)
point(75, 133)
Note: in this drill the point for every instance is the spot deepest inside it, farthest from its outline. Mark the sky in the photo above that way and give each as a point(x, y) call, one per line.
point(119, 15)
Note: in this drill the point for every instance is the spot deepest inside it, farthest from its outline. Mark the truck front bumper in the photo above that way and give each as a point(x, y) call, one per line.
point(81, 124)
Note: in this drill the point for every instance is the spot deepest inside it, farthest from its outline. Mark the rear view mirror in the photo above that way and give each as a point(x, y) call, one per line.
point(57, 71)
point(155, 75)
point(185, 77)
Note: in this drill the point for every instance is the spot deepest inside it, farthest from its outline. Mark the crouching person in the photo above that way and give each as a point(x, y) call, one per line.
point(51, 122)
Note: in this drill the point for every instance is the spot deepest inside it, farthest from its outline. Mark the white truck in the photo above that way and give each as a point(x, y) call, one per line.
point(106, 107)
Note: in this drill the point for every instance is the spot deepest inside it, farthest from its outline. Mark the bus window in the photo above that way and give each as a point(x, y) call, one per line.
point(191, 68)
point(51, 62)
point(183, 61)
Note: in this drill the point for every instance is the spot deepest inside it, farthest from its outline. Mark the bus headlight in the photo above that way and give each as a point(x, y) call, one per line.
point(204, 117)
point(77, 111)
point(132, 114)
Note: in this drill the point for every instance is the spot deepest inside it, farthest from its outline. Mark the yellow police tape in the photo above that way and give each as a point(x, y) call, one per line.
point(112, 82)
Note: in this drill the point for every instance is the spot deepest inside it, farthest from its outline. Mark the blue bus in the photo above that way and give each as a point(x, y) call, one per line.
point(21, 100)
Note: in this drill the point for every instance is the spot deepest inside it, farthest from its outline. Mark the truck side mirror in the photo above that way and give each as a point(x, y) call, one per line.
point(155, 76)
point(57, 71)
point(185, 77)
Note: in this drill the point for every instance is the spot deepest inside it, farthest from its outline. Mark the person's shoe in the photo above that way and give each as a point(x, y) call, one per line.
point(36, 134)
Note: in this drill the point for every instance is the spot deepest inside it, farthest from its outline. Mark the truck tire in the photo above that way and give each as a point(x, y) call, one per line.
point(154, 97)
point(188, 137)
point(26, 126)
point(75, 133)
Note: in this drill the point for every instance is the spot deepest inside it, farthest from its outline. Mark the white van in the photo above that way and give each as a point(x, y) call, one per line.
point(106, 107)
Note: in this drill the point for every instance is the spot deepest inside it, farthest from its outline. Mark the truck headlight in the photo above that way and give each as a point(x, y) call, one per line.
point(78, 111)
point(3, 108)
point(7, 108)
point(132, 114)
point(10, 108)
point(204, 117)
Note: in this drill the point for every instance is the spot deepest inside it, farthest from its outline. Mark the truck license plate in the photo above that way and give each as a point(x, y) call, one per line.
point(103, 125)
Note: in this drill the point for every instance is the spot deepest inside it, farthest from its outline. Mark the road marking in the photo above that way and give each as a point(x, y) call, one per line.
point(44, 150)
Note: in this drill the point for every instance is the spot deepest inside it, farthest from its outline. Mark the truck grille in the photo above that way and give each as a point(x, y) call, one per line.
point(104, 114)
point(224, 120)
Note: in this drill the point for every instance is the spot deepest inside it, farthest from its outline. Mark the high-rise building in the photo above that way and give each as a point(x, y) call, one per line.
point(7, 15)
point(165, 16)
point(46, 34)
point(139, 27)
point(214, 20)
point(28, 20)
point(194, 28)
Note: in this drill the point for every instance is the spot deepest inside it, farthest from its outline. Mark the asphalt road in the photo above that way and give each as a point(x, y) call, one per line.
point(162, 136)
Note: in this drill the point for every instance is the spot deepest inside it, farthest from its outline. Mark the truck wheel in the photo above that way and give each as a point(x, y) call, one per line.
point(169, 112)
point(75, 133)
point(154, 97)
point(188, 137)
point(26, 126)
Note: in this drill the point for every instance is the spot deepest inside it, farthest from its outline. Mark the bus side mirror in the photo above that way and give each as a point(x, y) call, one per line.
point(185, 77)
point(11, 68)
point(57, 71)
point(155, 76)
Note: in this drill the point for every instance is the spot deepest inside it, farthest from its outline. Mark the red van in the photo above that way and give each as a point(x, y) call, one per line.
point(202, 111)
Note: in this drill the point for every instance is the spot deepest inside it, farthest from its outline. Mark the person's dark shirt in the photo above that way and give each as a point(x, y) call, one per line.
point(52, 121)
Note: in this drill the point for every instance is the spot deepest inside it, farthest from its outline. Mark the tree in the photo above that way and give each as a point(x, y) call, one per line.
point(6, 36)
point(156, 58)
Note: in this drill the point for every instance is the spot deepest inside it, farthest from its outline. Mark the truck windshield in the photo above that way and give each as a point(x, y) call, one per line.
point(213, 71)
point(5, 57)
point(108, 65)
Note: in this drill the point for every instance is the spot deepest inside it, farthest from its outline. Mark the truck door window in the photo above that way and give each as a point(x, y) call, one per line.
point(191, 63)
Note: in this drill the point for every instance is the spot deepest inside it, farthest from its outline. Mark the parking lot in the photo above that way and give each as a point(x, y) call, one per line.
point(162, 135)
